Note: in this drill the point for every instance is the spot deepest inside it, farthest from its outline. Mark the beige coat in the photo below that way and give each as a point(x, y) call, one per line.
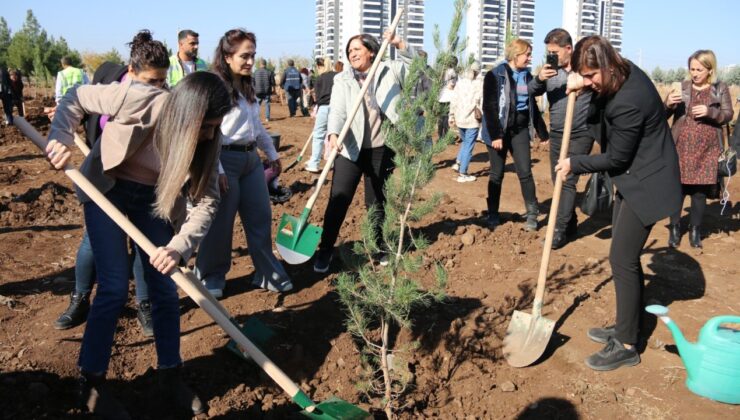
point(134, 108)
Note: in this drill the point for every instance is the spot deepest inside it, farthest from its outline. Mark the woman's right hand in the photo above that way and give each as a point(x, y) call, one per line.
point(575, 83)
point(334, 142)
point(497, 144)
point(673, 99)
point(58, 154)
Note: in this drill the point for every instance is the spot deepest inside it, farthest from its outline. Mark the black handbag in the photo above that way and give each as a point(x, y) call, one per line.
point(599, 194)
point(727, 162)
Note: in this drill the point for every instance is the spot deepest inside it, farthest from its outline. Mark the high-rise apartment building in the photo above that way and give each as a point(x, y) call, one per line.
point(487, 22)
point(339, 20)
point(594, 17)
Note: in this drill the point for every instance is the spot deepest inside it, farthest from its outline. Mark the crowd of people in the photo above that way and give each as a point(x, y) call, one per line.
point(182, 158)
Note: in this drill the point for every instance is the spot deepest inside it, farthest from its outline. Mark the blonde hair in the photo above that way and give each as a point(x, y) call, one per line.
point(323, 65)
point(707, 59)
point(515, 47)
point(199, 97)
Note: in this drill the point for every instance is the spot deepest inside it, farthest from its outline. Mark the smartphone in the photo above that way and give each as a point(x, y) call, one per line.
point(552, 60)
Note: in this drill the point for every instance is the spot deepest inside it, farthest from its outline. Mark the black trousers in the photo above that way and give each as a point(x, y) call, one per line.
point(698, 194)
point(377, 166)
point(581, 143)
point(443, 123)
point(7, 101)
point(516, 142)
point(628, 238)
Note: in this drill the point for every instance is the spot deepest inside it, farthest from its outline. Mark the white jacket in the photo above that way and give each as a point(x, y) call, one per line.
point(467, 95)
point(388, 86)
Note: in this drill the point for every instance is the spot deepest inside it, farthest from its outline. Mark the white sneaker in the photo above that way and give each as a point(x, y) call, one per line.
point(456, 167)
point(465, 178)
point(216, 293)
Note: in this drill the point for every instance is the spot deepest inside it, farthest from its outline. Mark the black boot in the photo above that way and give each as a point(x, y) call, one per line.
point(144, 315)
point(97, 398)
point(177, 393)
point(493, 199)
point(76, 312)
point(559, 239)
point(695, 236)
point(532, 212)
point(674, 235)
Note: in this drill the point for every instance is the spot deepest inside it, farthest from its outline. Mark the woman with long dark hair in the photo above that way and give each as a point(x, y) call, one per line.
point(699, 110)
point(510, 117)
point(640, 157)
point(153, 146)
point(242, 176)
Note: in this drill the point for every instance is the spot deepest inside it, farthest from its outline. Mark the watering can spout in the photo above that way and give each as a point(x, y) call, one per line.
point(688, 351)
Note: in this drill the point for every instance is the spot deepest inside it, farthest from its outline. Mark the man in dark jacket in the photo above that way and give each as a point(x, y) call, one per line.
point(6, 95)
point(291, 83)
point(264, 86)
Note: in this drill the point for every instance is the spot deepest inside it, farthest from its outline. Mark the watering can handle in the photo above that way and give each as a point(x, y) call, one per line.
point(715, 322)
point(355, 107)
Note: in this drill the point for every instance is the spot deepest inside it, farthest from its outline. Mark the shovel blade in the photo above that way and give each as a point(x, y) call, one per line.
point(526, 338)
point(296, 243)
point(337, 409)
point(257, 332)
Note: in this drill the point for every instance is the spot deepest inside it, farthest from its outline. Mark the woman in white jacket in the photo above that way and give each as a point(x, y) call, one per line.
point(466, 99)
point(364, 151)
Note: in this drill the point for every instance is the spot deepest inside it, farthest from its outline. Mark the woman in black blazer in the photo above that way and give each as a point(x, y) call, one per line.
point(639, 154)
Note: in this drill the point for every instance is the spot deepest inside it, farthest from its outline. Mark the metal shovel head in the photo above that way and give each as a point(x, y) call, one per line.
point(526, 338)
point(297, 241)
point(337, 409)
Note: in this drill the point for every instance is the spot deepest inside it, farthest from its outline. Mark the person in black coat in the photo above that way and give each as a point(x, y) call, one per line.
point(6, 95)
point(640, 156)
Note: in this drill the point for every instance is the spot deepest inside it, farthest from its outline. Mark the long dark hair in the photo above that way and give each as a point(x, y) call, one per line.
point(597, 53)
point(146, 53)
point(199, 97)
point(227, 47)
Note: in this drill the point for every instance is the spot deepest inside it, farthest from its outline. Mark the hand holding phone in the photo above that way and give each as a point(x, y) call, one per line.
point(552, 60)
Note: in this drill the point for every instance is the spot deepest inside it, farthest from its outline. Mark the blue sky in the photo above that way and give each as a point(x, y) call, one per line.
point(661, 32)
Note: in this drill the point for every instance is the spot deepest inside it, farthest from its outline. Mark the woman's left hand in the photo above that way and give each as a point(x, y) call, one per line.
point(699, 111)
point(165, 259)
point(563, 169)
point(276, 166)
point(394, 39)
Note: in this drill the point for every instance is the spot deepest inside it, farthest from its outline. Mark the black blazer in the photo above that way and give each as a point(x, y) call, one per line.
point(106, 74)
point(638, 149)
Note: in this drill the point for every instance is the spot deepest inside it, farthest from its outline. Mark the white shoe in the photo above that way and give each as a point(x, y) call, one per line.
point(284, 286)
point(456, 167)
point(312, 169)
point(465, 178)
point(216, 293)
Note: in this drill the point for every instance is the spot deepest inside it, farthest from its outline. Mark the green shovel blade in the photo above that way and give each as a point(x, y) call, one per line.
point(337, 409)
point(256, 331)
point(296, 239)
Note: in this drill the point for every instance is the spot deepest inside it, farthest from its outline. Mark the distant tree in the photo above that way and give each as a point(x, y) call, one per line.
point(731, 76)
point(4, 41)
point(681, 74)
point(92, 60)
point(658, 75)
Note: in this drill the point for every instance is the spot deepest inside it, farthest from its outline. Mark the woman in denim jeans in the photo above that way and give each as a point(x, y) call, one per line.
point(146, 167)
point(322, 91)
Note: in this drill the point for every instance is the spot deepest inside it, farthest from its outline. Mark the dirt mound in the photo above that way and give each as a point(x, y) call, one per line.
point(50, 203)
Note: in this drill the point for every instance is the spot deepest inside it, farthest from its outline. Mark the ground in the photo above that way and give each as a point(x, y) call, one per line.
point(459, 370)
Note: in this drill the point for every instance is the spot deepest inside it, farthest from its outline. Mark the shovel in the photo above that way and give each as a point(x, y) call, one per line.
point(300, 155)
point(333, 408)
point(296, 239)
point(527, 336)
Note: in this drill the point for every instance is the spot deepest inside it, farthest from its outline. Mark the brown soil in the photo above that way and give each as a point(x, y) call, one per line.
point(458, 368)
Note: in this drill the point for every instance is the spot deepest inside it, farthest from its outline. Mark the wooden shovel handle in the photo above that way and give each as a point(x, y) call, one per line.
point(191, 286)
point(351, 116)
point(540, 293)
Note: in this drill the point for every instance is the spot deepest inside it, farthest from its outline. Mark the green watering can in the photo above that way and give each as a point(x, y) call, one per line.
point(713, 362)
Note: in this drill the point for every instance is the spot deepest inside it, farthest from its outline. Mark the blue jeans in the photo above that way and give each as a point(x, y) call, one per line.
point(266, 99)
point(319, 134)
point(247, 195)
point(85, 270)
point(110, 245)
point(468, 136)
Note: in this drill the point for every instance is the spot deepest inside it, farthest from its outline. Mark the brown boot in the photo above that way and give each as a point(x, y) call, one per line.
point(177, 393)
point(98, 399)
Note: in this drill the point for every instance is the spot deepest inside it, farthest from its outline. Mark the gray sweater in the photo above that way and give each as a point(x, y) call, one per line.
point(555, 89)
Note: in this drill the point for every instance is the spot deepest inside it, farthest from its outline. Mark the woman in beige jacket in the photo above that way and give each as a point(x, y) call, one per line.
point(142, 164)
